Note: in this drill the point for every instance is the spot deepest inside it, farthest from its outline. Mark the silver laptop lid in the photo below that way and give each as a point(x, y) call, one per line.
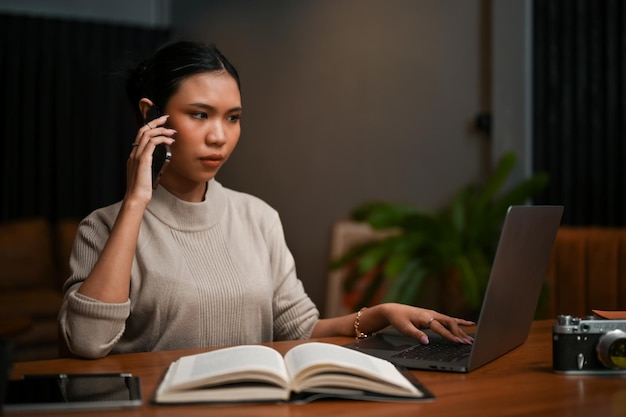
point(517, 276)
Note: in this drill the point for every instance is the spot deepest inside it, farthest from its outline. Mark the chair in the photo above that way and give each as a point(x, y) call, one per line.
point(345, 235)
point(587, 271)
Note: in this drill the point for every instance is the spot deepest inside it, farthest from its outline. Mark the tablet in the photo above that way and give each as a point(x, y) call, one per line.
point(62, 392)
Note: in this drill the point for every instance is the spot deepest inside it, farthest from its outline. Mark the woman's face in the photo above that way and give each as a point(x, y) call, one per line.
point(205, 112)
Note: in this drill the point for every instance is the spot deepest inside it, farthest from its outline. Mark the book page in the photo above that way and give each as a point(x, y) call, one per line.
point(248, 363)
point(322, 364)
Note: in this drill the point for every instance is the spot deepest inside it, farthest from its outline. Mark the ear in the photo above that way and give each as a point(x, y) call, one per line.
point(145, 104)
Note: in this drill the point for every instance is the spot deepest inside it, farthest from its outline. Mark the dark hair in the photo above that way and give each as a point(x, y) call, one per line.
point(159, 77)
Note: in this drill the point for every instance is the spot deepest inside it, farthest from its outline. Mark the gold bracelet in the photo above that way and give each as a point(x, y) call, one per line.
point(357, 323)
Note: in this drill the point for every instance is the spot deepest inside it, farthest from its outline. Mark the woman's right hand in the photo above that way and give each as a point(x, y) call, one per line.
point(139, 165)
point(109, 280)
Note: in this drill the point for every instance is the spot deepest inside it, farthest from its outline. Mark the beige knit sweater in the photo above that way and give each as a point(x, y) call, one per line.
point(205, 274)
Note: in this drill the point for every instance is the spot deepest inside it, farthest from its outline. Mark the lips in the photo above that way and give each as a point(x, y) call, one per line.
point(212, 161)
point(214, 157)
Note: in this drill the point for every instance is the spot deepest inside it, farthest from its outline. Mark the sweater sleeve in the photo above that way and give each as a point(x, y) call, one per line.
point(295, 314)
point(90, 328)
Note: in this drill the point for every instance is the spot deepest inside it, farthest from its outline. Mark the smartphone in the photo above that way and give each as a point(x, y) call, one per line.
point(57, 392)
point(162, 153)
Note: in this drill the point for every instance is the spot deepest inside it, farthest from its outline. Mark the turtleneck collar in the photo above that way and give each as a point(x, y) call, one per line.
point(186, 216)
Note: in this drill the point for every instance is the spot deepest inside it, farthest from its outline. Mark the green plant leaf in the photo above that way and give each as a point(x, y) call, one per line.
point(496, 181)
point(411, 277)
point(382, 215)
point(522, 192)
point(371, 258)
point(470, 283)
point(353, 254)
point(396, 263)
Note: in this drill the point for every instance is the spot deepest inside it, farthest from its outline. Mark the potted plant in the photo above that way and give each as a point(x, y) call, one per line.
point(452, 247)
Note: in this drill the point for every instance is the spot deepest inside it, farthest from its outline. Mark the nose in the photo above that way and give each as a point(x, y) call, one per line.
point(216, 135)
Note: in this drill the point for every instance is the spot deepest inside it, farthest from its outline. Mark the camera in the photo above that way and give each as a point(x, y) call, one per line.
point(588, 345)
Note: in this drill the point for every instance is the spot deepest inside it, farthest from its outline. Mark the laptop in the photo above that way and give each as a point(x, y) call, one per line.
point(517, 275)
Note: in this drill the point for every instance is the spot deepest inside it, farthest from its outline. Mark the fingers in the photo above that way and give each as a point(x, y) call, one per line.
point(448, 327)
point(153, 131)
point(139, 173)
point(417, 319)
point(412, 321)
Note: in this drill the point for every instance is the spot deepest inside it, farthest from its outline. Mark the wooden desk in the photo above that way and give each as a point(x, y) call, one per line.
point(519, 383)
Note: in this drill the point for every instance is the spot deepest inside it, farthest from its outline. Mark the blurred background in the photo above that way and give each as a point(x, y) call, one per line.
point(345, 101)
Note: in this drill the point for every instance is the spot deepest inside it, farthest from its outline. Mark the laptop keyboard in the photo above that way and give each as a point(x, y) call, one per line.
point(442, 352)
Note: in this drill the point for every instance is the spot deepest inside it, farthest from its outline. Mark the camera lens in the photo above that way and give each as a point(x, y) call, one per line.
point(611, 349)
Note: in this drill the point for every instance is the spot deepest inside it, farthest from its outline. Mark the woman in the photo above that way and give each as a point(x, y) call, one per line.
point(191, 263)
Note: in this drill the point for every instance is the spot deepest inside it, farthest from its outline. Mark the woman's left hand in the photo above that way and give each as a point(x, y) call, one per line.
point(411, 320)
point(406, 319)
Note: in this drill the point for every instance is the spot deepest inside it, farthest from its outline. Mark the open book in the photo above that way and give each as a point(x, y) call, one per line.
point(307, 372)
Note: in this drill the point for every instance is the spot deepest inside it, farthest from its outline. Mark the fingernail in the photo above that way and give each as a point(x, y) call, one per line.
point(424, 340)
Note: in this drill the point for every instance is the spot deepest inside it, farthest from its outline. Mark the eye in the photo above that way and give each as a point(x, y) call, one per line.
point(234, 117)
point(199, 115)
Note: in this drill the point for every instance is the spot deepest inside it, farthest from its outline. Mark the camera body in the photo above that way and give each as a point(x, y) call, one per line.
point(588, 345)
